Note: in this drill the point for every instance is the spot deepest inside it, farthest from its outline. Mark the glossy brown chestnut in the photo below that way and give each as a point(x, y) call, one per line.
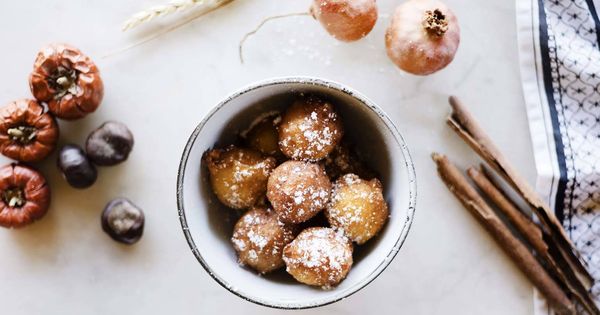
point(67, 80)
point(123, 221)
point(27, 134)
point(109, 144)
point(76, 167)
point(24, 196)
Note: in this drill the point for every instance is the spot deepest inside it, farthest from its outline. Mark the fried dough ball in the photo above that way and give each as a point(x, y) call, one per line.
point(259, 238)
point(342, 160)
point(309, 129)
point(263, 136)
point(319, 257)
point(298, 191)
point(238, 176)
point(357, 207)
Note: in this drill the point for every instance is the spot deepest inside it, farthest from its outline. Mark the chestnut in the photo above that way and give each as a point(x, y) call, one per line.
point(75, 167)
point(24, 196)
point(109, 144)
point(27, 133)
point(123, 221)
point(67, 80)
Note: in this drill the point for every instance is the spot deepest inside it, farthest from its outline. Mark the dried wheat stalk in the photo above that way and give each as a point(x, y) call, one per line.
point(211, 6)
point(162, 10)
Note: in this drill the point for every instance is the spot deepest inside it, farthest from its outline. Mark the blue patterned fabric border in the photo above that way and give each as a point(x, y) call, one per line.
point(569, 37)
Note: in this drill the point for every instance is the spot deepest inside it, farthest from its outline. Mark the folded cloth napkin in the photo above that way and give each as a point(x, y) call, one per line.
point(560, 70)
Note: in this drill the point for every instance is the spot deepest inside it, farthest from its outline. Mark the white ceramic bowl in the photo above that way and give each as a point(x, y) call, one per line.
point(207, 225)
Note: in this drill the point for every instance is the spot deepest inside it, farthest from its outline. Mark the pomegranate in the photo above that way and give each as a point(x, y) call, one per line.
point(345, 20)
point(423, 36)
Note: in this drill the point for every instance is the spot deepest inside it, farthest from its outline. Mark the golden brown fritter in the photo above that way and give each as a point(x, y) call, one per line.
point(298, 191)
point(357, 207)
point(259, 238)
point(264, 137)
point(309, 129)
point(238, 176)
point(319, 257)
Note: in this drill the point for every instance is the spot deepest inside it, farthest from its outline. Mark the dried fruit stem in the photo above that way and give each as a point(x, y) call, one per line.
point(64, 81)
point(260, 25)
point(435, 22)
point(22, 134)
point(13, 197)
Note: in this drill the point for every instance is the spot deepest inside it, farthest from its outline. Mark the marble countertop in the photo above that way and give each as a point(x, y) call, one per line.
point(65, 264)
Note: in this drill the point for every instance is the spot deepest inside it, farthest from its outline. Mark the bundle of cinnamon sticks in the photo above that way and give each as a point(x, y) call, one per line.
point(542, 251)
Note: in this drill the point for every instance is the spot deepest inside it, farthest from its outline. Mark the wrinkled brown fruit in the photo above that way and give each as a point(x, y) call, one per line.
point(27, 134)
point(24, 196)
point(67, 80)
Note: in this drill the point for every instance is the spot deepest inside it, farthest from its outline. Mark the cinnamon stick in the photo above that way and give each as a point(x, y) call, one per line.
point(532, 234)
point(513, 247)
point(467, 128)
point(530, 231)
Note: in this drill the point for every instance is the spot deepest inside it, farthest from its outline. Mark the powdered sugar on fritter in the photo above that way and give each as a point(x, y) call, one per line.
point(310, 129)
point(298, 190)
point(259, 238)
point(357, 207)
point(321, 253)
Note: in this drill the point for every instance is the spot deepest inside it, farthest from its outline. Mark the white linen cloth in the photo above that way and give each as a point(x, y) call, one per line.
point(560, 70)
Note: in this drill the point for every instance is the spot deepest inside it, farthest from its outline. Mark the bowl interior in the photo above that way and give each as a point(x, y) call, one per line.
point(208, 225)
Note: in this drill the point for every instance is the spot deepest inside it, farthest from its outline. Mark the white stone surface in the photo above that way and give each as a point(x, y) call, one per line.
point(65, 264)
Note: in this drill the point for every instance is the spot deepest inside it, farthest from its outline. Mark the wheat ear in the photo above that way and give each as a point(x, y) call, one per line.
point(217, 4)
point(160, 10)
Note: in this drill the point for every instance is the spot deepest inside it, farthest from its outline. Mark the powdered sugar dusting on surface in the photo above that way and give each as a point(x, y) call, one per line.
point(239, 244)
point(252, 255)
point(357, 207)
point(352, 8)
point(361, 7)
point(309, 130)
point(259, 238)
point(298, 190)
point(319, 253)
point(242, 172)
